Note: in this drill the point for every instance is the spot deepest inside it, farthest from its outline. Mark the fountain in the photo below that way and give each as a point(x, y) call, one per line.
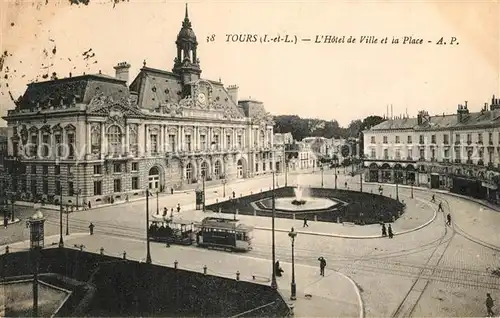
point(299, 194)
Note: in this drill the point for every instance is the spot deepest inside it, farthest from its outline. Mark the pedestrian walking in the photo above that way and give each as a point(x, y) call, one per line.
point(389, 229)
point(433, 198)
point(345, 184)
point(126, 198)
point(165, 211)
point(440, 207)
point(277, 269)
point(489, 305)
point(5, 222)
point(90, 205)
point(448, 219)
point(305, 223)
point(384, 230)
point(322, 265)
point(172, 211)
point(91, 228)
point(178, 208)
point(171, 190)
point(234, 194)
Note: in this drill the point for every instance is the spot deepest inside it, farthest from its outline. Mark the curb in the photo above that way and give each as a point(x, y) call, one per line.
point(358, 293)
point(47, 238)
point(359, 237)
point(445, 192)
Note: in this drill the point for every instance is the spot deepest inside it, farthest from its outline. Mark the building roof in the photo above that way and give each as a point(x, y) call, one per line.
point(80, 89)
point(157, 87)
point(483, 119)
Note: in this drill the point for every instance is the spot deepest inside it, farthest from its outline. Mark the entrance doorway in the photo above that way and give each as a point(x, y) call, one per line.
point(239, 169)
point(154, 178)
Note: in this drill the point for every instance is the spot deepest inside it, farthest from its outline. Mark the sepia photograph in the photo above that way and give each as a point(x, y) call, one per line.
point(275, 158)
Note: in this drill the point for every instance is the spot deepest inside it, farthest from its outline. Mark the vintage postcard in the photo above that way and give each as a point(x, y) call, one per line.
point(249, 158)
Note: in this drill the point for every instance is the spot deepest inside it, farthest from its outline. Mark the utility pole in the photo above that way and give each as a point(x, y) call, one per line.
point(274, 284)
point(148, 251)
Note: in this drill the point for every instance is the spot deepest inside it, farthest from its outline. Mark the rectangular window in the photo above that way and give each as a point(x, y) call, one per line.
point(57, 170)
point(203, 142)
point(117, 168)
point(117, 185)
point(373, 154)
point(71, 188)
point(135, 166)
point(58, 144)
point(240, 141)
point(71, 145)
point(410, 140)
point(228, 141)
point(24, 186)
point(135, 183)
point(457, 155)
point(33, 187)
point(57, 190)
point(447, 154)
point(433, 139)
point(410, 154)
point(256, 167)
point(46, 145)
point(446, 139)
point(216, 142)
point(154, 143)
point(490, 138)
point(15, 146)
point(45, 186)
point(45, 170)
point(480, 138)
point(97, 169)
point(33, 169)
point(171, 143)
point(188, 143)
point(263, 166)
point(421, 139)
point(372, 139)
point(422, 154)
point(457, 139)
point(385, 139)
point(397, 140)
point(386, 154)
point(34, 145)
point(398, 154)
point(469, 138)
point(98, 187)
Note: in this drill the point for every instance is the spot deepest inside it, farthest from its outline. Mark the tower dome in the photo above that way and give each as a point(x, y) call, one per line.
point(186, 34)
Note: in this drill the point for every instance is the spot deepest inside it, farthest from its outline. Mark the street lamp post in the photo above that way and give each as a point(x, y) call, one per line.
point(292, 234)
point(274, 284)
point(148, 250)
point(67, 220)
point(360, 182)
point(286, 172)
point(411, 188)
point(322, 179)
point(397, 189)
point(224, 181)
point(36, 224)
point(157, 202)
point(61, 241)
point(203, 185)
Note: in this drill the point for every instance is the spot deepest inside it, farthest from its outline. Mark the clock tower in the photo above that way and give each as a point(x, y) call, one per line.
point(187, 64)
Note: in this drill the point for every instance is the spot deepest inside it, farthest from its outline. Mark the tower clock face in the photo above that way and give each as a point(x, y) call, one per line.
point(202, 98)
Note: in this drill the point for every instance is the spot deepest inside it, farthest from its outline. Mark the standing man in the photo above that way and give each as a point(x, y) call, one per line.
point(91, 228)
point(489, 305)
point(178, 207)
point(448, 219)
point(433, 198)
point(322, 265)
point(440, 207)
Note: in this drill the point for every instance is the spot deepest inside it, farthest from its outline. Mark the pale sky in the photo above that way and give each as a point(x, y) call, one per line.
point(327, 81)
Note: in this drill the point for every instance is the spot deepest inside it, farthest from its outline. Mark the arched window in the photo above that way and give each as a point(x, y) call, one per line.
point(204, 169)
point(115, 139)
point(217, 169)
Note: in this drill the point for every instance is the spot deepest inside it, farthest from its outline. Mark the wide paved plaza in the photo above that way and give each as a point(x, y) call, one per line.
point(427, 269)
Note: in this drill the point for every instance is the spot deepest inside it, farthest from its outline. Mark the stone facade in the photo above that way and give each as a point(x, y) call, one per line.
point(100, 140)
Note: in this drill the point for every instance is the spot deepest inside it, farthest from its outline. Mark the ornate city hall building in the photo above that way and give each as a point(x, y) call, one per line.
point(167, 130)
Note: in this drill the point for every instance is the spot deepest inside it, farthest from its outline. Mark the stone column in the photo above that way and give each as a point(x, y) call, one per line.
point(88, 138)
point(127, 140)
point(179, 138)
point(103, 139)
point(146, 139)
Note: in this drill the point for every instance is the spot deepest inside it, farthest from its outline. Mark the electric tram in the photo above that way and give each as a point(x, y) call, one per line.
point(227, 234)
point(168, 230)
